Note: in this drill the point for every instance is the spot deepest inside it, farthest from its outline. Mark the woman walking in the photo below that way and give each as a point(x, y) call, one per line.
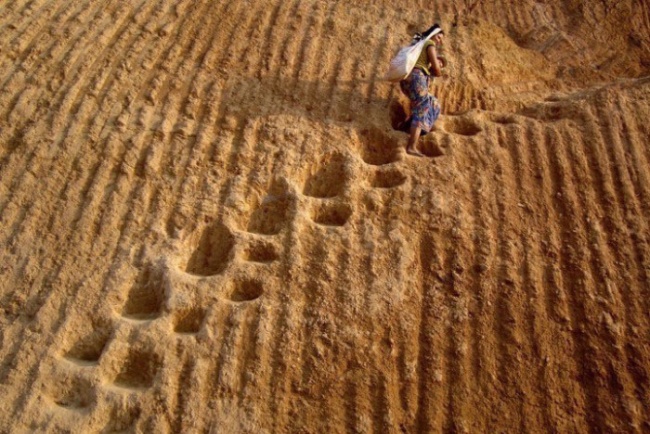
point(425, 108)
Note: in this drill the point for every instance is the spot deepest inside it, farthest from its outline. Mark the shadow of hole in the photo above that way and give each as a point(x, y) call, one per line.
point(327, 179)
point(554, 98)
point(388, 179)
point(261, 252)
point(504, 120)
point(146, 297)
point(189, 321)
point(332, 214)
point(430, 147)
point(138, 371)
point(212, 252)
point(378, 148)
point(463, 127)
point(72, 393)
point(89, 348)
point(122, 420)
point(246, 290)
point(270, 217)
point(551, 112)
point(554, 113)
point(397, 113)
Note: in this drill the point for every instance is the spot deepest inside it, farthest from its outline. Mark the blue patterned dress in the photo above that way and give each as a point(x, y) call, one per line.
point(425, 108)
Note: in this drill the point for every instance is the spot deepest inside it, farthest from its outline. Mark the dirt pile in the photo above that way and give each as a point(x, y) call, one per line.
point(208, 224)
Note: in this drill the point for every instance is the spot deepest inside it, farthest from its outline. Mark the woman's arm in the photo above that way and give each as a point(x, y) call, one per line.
point(436, 68)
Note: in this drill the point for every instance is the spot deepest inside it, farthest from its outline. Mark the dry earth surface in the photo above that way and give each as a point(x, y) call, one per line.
point(208, 224)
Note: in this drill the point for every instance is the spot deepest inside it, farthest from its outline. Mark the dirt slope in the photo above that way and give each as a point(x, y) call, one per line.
point(208, 225)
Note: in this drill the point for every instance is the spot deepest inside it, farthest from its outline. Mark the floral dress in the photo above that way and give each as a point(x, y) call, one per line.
point(425, 108)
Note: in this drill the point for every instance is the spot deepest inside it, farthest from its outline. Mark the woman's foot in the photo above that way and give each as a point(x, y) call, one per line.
point(411, 148)
point(414, 152)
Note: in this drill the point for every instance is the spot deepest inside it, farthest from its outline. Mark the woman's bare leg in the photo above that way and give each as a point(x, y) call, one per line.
point(414, 136)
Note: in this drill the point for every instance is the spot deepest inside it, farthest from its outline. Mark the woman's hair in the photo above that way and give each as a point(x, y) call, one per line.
point(435, 28)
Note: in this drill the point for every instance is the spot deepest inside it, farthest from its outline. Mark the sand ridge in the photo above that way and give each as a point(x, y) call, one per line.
point(208, 224)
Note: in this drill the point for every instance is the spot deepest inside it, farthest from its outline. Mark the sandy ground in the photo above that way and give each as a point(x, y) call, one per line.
point(209, 226)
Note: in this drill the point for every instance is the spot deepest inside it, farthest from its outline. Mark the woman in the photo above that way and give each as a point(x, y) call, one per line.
point(425, 108)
